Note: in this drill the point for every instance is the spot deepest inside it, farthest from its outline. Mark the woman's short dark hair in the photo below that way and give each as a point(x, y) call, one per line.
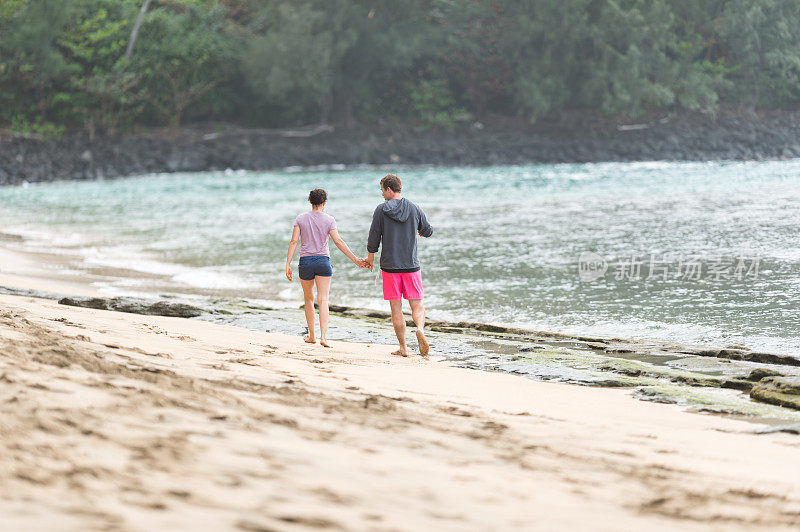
point(317, 196)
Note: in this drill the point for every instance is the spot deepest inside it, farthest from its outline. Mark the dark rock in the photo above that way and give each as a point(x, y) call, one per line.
point(7, 237)
point(731, 353)
point(489, 328)
point(178, 310)
point(597, 341)
point(579, 139)
point(646, 394)
point(440, 328)
point(719, 410)
point(706, 382)
point(100, 303)
point(791, 429)
point(734, 354)
point(609, 383)
point(622, 370)
point(619, 350)
point(759, 373)
point(27, 292)
point(135, 306)
point(737, 384)
point(763, 358)
point(781, 391)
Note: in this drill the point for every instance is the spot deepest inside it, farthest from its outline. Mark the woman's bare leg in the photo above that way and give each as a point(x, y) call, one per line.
point(308, 306)
point(323, 289)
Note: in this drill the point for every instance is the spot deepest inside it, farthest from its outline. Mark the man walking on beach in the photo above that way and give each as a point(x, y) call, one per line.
point(397, 222)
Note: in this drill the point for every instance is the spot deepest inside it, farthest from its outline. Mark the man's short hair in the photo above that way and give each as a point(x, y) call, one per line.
point(392, 181)
point(317, 196)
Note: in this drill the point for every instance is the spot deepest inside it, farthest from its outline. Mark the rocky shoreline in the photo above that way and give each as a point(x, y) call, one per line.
point(662, 373)
point(219, 147)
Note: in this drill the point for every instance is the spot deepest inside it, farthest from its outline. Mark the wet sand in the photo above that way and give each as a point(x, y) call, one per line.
point(39, 271)
point(127, 422)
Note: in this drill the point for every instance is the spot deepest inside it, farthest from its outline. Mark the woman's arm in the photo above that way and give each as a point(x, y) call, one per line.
point(292, 246)
point(344, 249)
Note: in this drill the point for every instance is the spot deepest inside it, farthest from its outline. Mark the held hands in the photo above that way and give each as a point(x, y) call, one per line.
point(361, 263)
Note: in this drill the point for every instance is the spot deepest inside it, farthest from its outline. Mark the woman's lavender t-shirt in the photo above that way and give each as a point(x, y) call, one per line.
point(314, 229)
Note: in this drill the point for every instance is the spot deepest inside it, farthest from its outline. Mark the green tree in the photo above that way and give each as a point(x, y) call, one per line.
point(32, 65)
point(632, 61)
point(469, 42)
point(545, 43)
point(762, 37)
point(395, 40)
point(293, 57)
point(63, 64)
point(182, 54)
point(612, 56)
point(101, 91)
point(339, 58)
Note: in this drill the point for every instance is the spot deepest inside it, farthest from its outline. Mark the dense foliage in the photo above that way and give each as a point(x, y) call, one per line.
point(269, 63)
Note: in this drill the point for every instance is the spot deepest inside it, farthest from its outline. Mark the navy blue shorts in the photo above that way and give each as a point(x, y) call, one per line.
point(314, 265)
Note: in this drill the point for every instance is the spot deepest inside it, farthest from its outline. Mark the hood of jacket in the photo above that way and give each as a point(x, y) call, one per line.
point(397, 209)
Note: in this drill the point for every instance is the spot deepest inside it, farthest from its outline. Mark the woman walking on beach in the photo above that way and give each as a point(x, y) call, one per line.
point(312, 229)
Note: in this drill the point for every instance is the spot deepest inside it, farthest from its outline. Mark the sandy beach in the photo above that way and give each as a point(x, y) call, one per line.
point(593, 206)
point(119, 421)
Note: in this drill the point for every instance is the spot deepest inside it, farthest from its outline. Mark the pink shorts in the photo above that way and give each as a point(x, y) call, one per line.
point(402, 285)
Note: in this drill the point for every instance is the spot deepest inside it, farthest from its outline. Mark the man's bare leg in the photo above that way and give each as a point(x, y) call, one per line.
point(399, 322)
point(418, 315)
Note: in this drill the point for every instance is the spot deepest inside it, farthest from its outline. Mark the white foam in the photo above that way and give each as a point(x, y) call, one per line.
point(129, 258)
point(290, 293)
point(205, 278)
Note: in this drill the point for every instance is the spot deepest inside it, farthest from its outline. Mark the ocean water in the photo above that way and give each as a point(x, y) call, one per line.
point(697, 253)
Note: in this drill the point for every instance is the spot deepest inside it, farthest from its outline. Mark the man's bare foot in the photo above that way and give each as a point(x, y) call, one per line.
point(400, 353)
point(323, 342)
point(424, 348)
point(309, 339)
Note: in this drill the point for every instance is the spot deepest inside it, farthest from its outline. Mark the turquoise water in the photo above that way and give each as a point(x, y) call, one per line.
point(505, 249)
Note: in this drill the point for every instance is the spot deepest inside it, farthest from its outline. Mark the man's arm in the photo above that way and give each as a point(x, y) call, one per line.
point(375, 231)
point(424, 228)
point(375, 236)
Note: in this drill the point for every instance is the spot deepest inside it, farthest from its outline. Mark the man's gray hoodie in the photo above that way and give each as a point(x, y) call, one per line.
point(397, 222)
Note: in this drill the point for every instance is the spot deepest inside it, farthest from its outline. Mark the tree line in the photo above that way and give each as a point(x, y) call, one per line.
point(79, 65)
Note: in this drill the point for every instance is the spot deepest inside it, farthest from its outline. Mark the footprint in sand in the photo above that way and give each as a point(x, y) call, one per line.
point(245, 361)
point(153, 329)
point(68, 323)
point(183, 337)
point(221, 367)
